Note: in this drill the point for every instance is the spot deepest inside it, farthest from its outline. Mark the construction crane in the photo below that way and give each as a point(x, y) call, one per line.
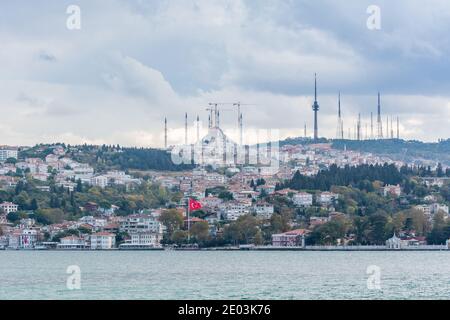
point(239, 117)
point(214, 108)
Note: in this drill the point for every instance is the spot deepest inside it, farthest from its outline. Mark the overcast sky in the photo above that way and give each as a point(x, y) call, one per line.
point(134, 62)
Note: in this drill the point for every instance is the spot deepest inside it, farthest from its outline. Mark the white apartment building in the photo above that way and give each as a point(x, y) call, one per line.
point(146, 239)
point(99, 181)
point(8, 207)
point(141, 223)
point(72, 243)
point(103, 241)
point(432, 208)
point(302, 199)
point(263, 210)
point(327, 197)
point(95, 222)
point(235, 209)
point(8, 152)
point(28, 238)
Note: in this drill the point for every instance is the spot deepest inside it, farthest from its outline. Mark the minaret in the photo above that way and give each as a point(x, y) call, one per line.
point(304, 131)
point(165, 133)
point(198, 128)
point(216, 117)
point(379, 122)
point(185, 129)
point(241, 131)
point(315, 108)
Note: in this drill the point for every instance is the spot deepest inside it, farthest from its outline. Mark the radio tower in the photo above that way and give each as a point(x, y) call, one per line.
point(358, 128)
point(387, 127)
point(315, 108)
point(379, 122)
point(340, 125)
point(392, 129)
point(398, 128)
point(165, 133)
point(371, 125)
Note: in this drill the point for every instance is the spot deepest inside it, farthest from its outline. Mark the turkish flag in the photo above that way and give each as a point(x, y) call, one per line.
point(194, 205)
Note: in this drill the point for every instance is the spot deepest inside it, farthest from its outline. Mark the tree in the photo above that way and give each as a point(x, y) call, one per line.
point(34, 205)
point(13, 217)
point(439, 233)
point(172, 219)
point(200, 232)
point(259, 239)
point(243, 230)
point(378, 233)
point(179, 237)
point(329, 233)
point(11, 160)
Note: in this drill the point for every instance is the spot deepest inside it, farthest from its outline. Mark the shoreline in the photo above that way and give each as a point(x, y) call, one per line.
point(268, 248)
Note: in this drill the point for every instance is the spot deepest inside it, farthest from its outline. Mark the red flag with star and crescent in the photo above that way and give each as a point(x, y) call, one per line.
point(194, 205)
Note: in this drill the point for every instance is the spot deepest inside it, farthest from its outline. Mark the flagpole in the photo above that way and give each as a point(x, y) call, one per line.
point(189, 221)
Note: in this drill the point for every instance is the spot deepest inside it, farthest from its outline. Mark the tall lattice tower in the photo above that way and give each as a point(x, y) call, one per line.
point(315, 108)
point(165, 133)
point(379, 121)
point(340, 124)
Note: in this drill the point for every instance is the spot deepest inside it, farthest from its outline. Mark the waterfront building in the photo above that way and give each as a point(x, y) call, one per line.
point(293, 238)
point(72, 243)
point(103, 241)
point(143, 240)
point(394, 243)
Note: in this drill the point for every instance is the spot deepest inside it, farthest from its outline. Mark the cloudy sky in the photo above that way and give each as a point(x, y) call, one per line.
point(134, 62)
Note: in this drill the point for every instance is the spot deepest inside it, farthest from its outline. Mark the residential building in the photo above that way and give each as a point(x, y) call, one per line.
point(72, 243)
point(234, 209)
point(303, 199)
point(8, 207)
point(103, 241)
point(293, 238)
point(141, 223)
point(327, 197)
point(7, 152)
point(263, 210)
point(142, 240)
point(393, 190)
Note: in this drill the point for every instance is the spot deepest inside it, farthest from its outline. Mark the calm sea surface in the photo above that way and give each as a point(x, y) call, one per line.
point(224, 275)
